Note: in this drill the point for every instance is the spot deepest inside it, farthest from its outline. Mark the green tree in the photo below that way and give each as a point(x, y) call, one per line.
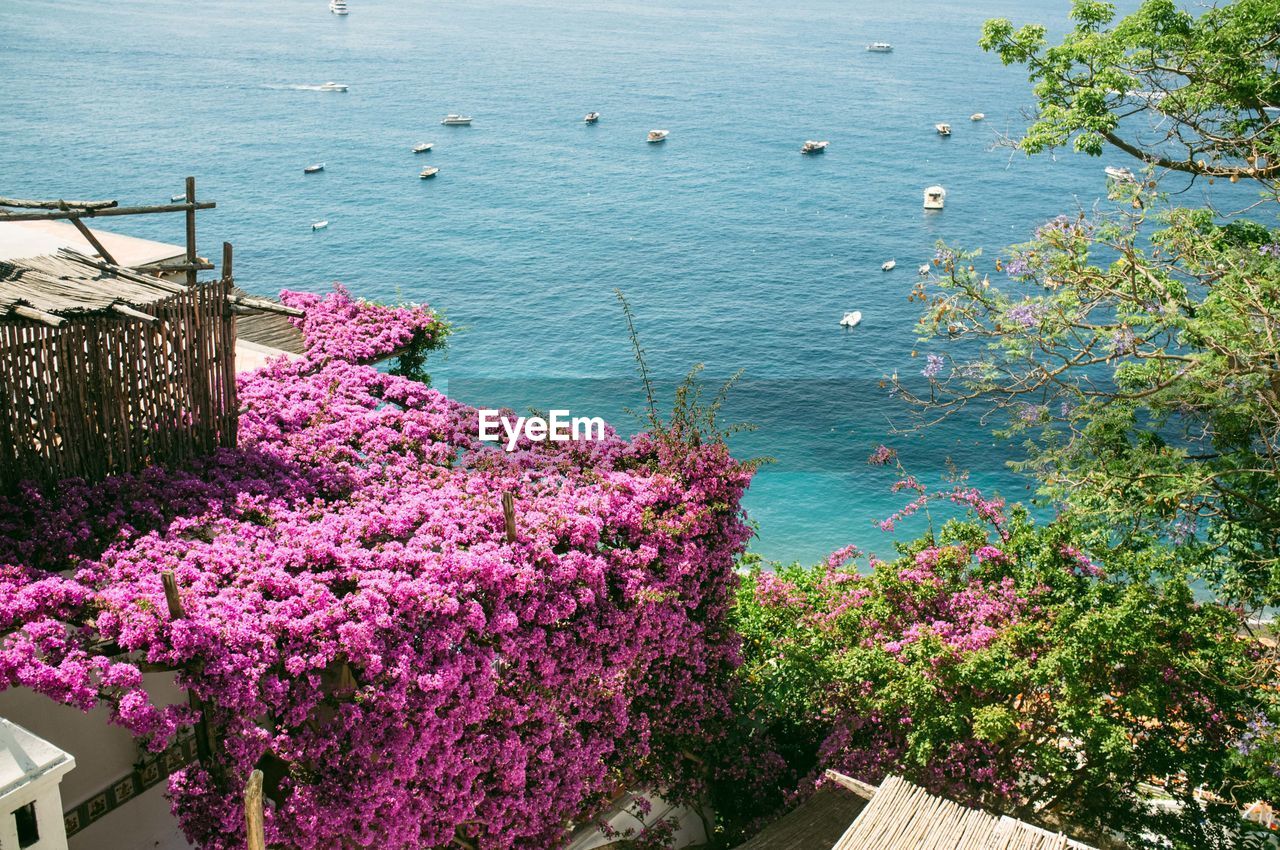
point(1193, 94)
point(997, 663)
point(1137, 356)
point(1136, 352)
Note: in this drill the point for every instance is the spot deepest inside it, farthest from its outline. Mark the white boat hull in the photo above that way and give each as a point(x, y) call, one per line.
point(851, 319)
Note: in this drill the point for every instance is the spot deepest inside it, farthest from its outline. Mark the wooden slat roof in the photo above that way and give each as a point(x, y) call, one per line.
point(902, 816)
point(55, 287)
point(69, 283)
point(270, 329)
point(816, 824)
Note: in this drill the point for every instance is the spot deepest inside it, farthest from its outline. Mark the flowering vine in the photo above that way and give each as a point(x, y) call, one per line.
point(358, 622)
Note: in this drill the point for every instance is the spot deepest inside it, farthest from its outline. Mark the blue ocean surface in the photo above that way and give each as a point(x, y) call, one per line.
point(734, 250)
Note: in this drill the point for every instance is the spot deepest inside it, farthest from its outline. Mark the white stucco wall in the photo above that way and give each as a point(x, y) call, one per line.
point(104, 753)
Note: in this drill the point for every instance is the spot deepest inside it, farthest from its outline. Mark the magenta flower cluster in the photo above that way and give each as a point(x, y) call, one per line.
point(359, 623)
point(341, 327)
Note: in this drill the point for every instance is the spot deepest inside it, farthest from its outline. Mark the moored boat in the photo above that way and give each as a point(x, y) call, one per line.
point(429, 172)
point(312, 169)
point(943, 129)
point(320, 225)
point(977, 116)
point(332, 86)
point(338, 7)
point(813, 147)
point(923, 270)
point(422, 147)
point(879, 47)
point(657, 135)
point(888, 265)
point(591, 118)
point(935, 197)
point(1123, 175)
point(455, 120)
point(851, 319)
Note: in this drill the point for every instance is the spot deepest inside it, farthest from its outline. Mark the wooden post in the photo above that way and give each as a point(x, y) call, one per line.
point(226, 262)
point(191, 231)
point(257, 839)
point(509, 514)
point(171, 595)
point(204, 739)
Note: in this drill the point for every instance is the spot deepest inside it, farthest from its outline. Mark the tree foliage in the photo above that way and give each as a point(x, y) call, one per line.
point(1196, 94)
point(998, 664)
point(1138, 357)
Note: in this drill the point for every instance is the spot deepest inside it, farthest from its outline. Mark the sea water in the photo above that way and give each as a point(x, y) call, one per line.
point(733, 249)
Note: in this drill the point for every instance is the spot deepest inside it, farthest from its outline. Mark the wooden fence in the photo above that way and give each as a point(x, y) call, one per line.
point(102, 394)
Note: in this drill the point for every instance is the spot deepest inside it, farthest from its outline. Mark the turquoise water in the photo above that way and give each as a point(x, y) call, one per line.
point(734, 250)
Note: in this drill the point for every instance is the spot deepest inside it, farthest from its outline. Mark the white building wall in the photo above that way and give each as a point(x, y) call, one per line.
point(104, 754)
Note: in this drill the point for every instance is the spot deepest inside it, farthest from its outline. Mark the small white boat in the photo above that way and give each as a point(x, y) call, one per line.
point(943, 129)
point(1123, 175)
point(312, 169)
point(879, 47)
point(320, 225)
point(923, 270)
point(332, 86)
point(813, 147)
point(591, 118)
point(657, 135)
point(175, 198)
point(888, 266)
point(935, 197)
point(851, 319)
point(338, 7)
point(977, 116)
point(454, 120)
point(428, 172)
point(423, 147)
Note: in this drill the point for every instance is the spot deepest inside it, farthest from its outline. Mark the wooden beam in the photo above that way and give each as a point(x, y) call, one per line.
point(257, 839)
point(56, 205)
point(192, 259)
point(61, 215)
point(199, 265)
point(38, 315)
point(126, 310)
point(93, 240)
point(266, 304)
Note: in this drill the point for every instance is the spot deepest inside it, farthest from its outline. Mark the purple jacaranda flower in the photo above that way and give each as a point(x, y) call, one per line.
point(1123, 341)
point(1027, 314)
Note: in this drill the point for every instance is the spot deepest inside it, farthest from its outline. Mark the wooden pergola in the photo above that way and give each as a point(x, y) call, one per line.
point(107, 370)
